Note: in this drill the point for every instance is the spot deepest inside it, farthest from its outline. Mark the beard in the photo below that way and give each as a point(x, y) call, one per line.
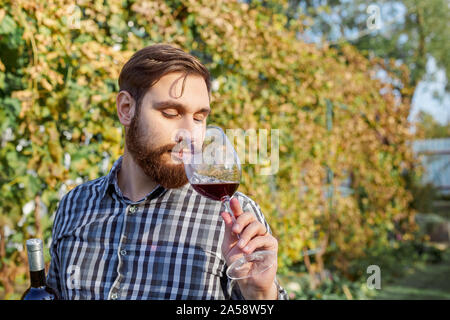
point(151, 160)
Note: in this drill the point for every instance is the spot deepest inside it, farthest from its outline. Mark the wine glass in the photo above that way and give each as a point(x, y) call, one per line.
point(214, 170)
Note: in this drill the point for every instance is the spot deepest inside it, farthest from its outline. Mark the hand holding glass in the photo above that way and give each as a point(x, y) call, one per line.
point(214, 171)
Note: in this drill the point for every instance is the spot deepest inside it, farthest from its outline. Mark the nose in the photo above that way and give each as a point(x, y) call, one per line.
point(190, 138)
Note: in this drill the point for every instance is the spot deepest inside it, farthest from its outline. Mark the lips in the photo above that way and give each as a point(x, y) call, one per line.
point(178, 154)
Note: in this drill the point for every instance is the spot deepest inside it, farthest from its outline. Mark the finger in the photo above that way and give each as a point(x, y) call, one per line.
point(236, 207)
point(243, 221)
point(252, 230)
point(261, 243)
point(228, 221)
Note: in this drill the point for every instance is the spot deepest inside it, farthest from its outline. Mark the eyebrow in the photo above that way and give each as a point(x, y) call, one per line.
point(177, 105)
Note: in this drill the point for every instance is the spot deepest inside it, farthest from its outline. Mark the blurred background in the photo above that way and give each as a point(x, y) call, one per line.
point(359, 91)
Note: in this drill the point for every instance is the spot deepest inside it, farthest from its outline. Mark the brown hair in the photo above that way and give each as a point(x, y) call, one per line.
point(151, 63)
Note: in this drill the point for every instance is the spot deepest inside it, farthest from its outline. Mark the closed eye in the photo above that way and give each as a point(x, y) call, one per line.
point(199, 120)
point(169, 115)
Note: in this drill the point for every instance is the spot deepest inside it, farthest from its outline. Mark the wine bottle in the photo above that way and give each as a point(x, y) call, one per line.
point(39, 290)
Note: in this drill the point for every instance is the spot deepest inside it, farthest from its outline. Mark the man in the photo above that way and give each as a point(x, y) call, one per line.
point(142, 232)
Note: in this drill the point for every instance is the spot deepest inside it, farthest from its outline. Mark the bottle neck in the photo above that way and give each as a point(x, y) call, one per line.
point(37, 267)
point(38, 278)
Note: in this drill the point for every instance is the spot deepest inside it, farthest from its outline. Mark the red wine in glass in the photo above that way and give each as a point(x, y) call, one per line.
point(216, 191)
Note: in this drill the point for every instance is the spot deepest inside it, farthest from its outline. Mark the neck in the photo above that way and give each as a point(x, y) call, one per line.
point(37, 278)
point(132, 180)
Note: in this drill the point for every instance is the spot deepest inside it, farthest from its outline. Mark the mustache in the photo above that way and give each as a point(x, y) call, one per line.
point(163, 149)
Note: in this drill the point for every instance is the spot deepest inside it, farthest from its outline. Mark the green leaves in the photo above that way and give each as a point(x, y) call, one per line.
point(7, 24)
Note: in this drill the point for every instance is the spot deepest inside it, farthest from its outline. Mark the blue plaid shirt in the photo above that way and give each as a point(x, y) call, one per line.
point(165, 246)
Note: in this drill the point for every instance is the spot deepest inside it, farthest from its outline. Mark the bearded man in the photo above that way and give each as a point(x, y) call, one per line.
point(142, 232)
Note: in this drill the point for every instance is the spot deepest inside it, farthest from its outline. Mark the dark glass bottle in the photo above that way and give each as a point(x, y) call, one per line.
point(39, 290)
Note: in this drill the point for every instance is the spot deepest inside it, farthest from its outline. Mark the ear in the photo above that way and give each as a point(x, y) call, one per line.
point(126, 107)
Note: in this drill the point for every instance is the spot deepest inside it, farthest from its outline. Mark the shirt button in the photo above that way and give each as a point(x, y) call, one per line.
point(123, 252)
point(114, 296)
point(132, 209)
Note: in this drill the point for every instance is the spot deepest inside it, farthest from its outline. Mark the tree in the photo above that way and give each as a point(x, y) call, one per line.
point(410, 30)
point(430, 128)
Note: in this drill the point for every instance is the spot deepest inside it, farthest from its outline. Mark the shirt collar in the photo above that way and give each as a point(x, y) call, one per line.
point(111, 176)
point(111, 181)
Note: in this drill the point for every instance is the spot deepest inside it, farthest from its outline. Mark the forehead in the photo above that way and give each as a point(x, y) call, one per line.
point(169, 88)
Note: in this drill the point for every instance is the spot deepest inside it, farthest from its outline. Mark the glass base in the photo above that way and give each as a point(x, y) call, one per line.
point(251, 265)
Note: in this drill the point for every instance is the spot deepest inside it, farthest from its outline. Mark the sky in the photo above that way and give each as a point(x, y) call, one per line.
point(425, 100)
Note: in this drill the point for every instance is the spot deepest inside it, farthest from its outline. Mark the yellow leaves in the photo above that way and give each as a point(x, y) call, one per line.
point(81, 166)
point(87, 49)
point(113, 134)
point(89, 26)
point(51, 172)
point(82, 80)
point(46, 84)
point(22, 95)
point(75, 115)
point(52, 55)
point(49, 22)
point(2, 14)
point(54, 146)
point(26, 98)
point(96, 98)
point(150, 9)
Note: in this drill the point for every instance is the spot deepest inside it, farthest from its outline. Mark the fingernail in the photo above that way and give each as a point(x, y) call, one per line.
point(241, 243)
point(236, 227)
point(246, 249)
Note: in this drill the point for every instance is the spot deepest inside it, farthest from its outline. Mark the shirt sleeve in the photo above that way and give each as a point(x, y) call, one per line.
point(53, 278)
point(248, 205)
point(54, 275)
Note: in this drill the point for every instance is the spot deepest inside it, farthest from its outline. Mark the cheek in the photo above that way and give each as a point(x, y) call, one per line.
point(158, 131)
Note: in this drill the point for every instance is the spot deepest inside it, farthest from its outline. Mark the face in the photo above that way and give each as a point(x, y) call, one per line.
point(164, 120)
